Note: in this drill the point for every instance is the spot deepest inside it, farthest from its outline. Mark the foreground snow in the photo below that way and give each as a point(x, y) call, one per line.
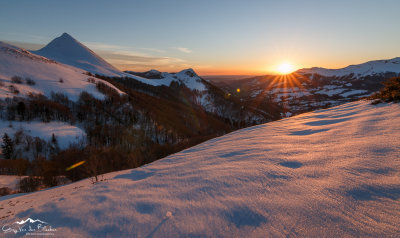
point(331, 173)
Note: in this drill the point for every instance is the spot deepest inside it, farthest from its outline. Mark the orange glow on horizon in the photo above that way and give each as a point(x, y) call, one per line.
point(245, 70)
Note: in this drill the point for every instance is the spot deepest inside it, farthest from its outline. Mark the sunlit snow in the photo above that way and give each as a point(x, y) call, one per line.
point(333, 172)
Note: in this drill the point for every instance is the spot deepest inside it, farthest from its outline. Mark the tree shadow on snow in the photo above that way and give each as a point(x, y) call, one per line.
point(307, 132)
point(291, 164)
point(326, 122)
point(244, 216)
point(371, 193)
point(135, 175)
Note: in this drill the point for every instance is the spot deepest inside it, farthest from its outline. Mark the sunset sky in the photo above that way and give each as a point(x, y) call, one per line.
point(213, 37)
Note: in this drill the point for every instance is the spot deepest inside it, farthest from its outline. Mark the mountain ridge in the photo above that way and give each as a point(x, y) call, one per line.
point(372, 67)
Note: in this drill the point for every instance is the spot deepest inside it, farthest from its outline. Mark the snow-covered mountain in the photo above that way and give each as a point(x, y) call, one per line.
point(329, 173)
point(38, 74)
point(65, 49)
point(376, 67)
point(315, 88)
point(186, 77)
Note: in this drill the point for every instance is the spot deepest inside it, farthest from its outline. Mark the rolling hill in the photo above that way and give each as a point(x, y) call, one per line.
point(332, 173)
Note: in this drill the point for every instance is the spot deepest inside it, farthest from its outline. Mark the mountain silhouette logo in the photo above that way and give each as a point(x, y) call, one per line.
point(30, 220)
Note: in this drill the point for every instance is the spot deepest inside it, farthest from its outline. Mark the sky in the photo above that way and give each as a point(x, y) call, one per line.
point(214, 37)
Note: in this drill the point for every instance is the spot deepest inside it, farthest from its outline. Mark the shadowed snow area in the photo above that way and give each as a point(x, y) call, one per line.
point(329, 173)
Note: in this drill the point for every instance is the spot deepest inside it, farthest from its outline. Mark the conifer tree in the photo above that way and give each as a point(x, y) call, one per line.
point(54, 147)
point(7, 147)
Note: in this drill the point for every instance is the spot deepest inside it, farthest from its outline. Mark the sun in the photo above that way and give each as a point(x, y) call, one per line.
point(285, 68)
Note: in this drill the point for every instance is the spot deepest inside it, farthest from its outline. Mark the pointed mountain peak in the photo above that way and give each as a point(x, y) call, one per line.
point(68, 50)
point(189, 72)
point(64, 41)
point(66, 36)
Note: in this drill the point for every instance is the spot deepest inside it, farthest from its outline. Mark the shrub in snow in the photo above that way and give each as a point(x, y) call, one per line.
point(30, 81)
point(5, 191)
point(29, 184)
point(390, 93)
point(13, 89)
point(45, 170)
point(16, 79)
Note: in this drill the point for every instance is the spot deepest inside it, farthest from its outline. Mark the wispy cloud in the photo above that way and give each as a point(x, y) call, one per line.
point(126, 57)
point(104, 46)
point(138, 61)
point(36, 39)
point(153, 50)
point(184, 50)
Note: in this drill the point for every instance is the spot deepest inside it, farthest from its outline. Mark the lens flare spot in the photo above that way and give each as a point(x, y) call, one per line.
point(75, 165)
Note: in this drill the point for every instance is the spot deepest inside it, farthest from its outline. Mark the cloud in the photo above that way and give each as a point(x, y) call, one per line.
point(125, 57)
point(103, 46)
point(153, 50)
point(184, 50)
point(26, 46)
point(36, 39)
point(130, 60)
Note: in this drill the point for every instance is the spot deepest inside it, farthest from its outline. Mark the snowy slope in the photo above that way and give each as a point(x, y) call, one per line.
point(67, 50)
point(65, 133)
point(329, 173)
point(186, 77)
point(360, 70)
point(46, 73)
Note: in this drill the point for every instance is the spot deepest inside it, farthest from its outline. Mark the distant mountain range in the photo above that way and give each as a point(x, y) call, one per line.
point(67, 66)
point(67, 50)
point(314, 88)
point(66, 59)
point(69, 83)
point(370, 68)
